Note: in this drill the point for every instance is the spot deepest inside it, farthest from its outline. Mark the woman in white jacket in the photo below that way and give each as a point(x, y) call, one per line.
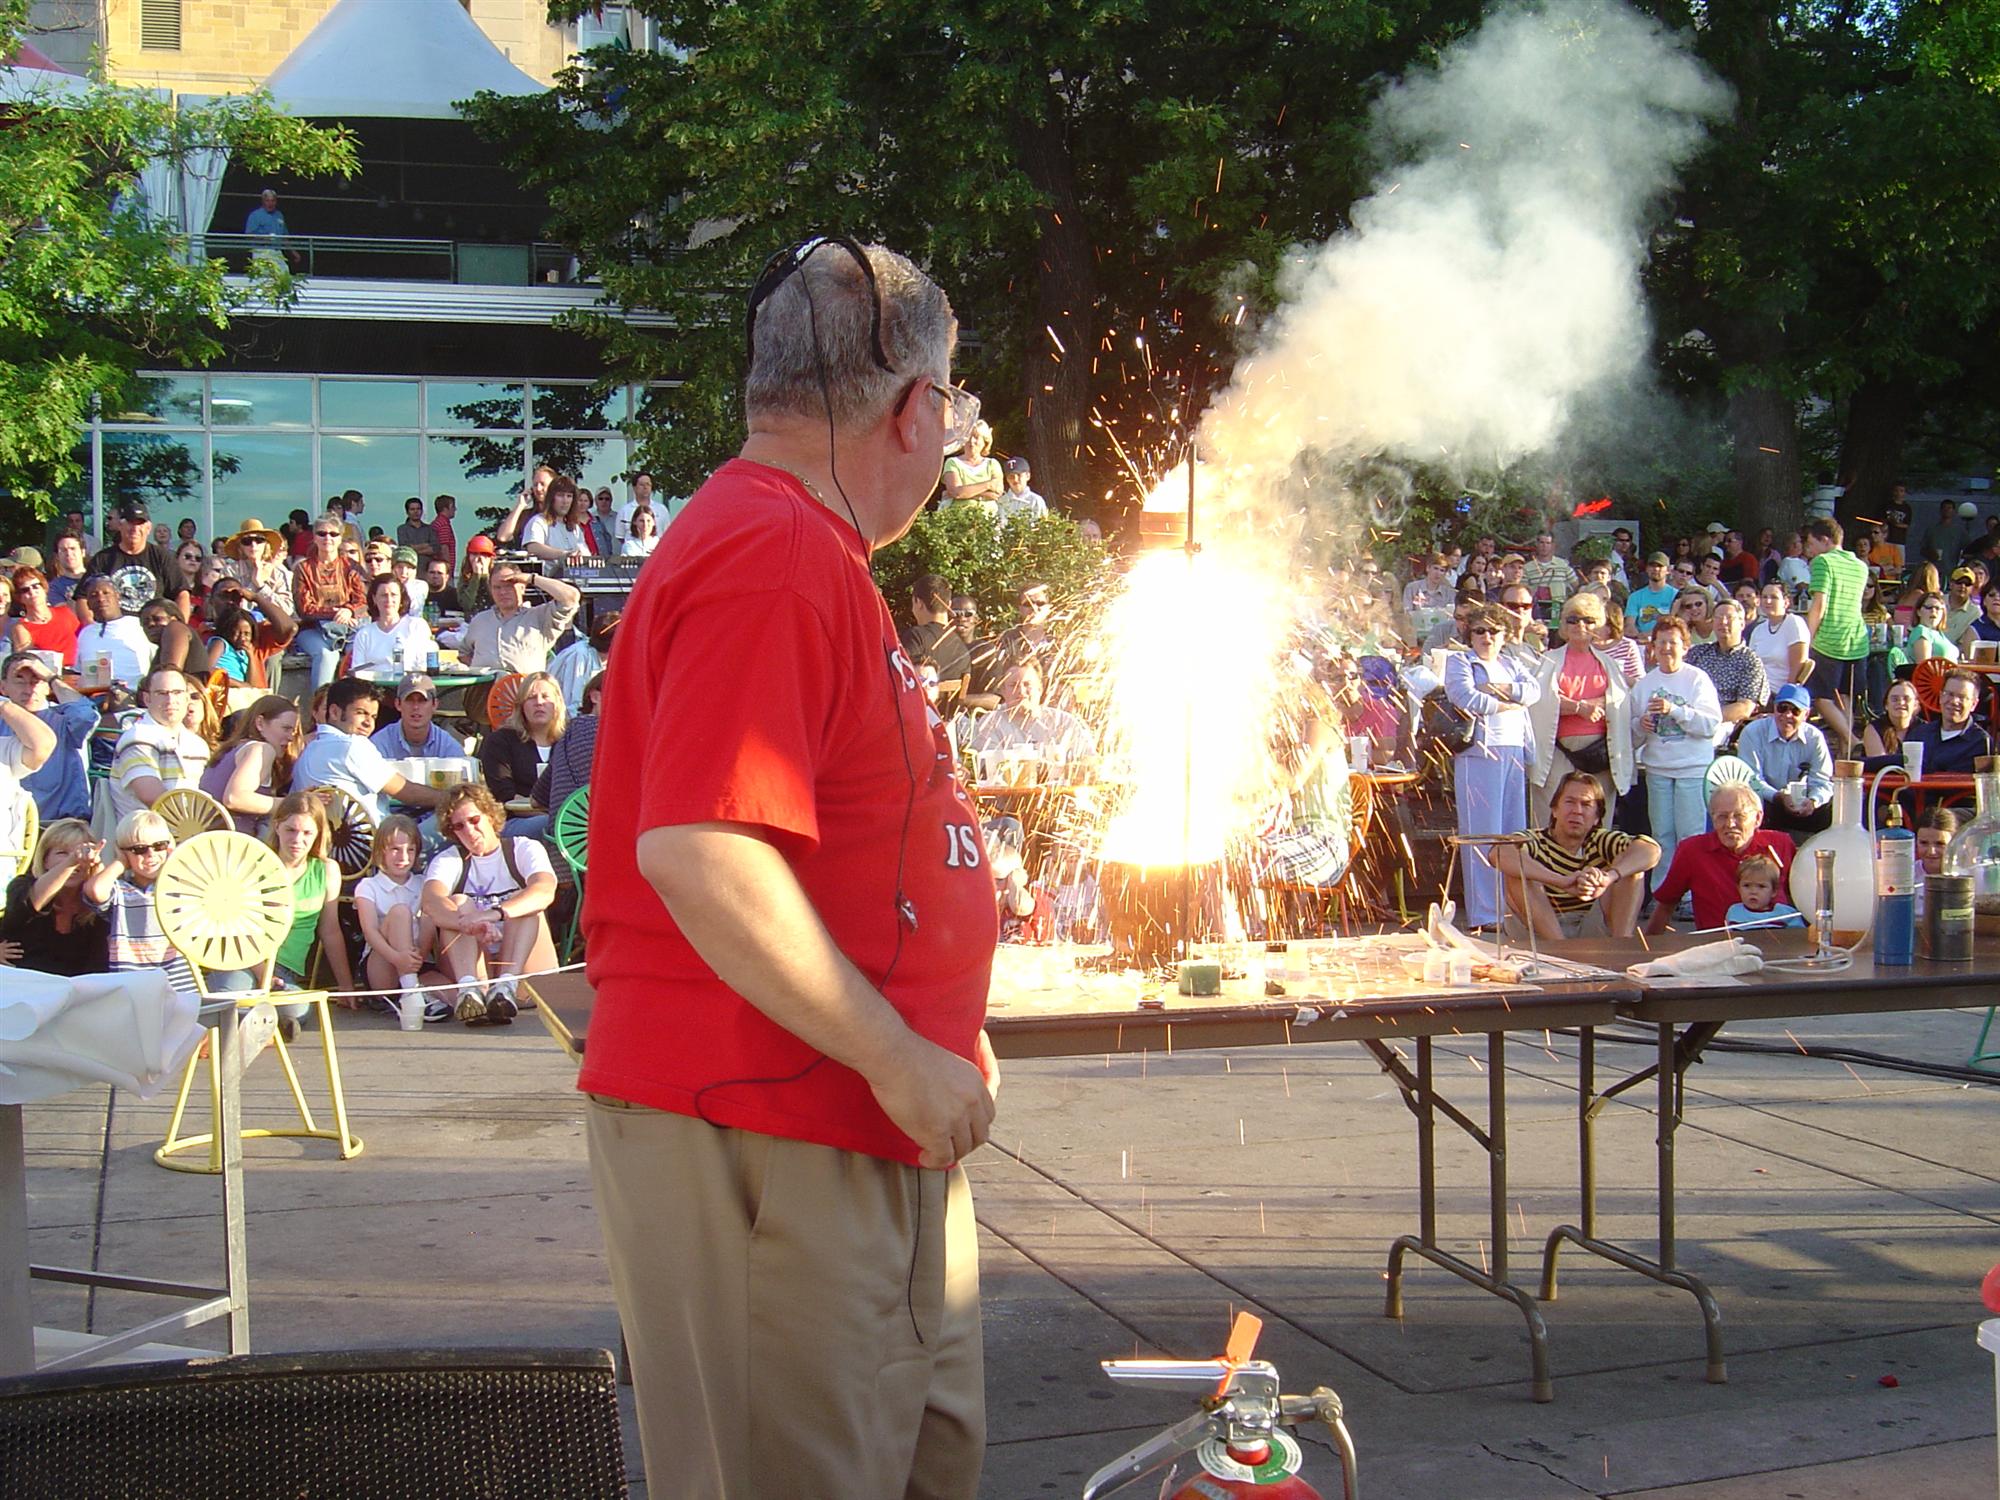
point(1674, 719)
point(1489, 777)
point(1583, 720)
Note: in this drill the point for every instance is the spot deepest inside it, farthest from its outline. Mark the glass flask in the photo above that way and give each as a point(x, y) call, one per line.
point(1975, 850)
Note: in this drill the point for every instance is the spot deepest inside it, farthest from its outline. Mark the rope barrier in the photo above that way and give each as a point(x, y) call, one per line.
point(452, 984)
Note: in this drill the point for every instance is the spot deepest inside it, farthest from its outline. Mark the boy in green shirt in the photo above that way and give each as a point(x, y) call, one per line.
point(1839, 637)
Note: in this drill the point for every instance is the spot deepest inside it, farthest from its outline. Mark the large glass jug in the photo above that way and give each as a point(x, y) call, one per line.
point(1975, 850)
point(1853, 863)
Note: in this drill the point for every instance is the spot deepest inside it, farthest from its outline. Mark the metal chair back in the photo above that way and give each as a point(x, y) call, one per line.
point(189, 810)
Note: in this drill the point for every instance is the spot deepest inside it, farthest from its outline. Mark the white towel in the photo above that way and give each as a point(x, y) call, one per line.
point(1730, 957)
point(130, 1030)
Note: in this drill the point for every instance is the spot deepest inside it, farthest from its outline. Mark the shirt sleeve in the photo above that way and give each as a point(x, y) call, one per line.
point(531, 858)
point(762, 667)
point(444, 868)
point(1678, 882)
point(368, 764)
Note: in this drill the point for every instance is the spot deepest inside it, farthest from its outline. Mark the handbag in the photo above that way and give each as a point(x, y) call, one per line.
point(1593, 756)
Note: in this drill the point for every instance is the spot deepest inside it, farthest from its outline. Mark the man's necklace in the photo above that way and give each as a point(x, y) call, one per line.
point(810, 488)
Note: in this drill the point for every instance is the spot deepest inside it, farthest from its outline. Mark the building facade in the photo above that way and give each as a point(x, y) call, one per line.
point(418, 357)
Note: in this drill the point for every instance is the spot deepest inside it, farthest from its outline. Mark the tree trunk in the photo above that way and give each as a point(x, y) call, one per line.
point(1763, 425)
point(1058, 389)
point(1871, 446)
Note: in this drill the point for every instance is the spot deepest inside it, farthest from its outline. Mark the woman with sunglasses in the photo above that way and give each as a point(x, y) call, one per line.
point(39, 625)
point(1490, 776)
point(1583, 720)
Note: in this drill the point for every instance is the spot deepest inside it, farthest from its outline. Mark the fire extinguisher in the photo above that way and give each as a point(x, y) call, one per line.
point(1236, 1446)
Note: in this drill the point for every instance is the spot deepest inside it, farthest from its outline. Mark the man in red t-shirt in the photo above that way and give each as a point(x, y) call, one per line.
point(791, 928)
point(1705, 865)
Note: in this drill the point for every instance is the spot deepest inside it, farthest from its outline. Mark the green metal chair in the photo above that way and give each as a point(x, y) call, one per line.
point(1985, 1061)
point(569, 830)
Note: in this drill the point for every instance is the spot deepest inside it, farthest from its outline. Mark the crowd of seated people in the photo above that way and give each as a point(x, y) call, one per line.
point(152, 665)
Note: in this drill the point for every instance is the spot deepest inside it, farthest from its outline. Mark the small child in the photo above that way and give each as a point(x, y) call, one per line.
point(1758, 904)
point(397, 933)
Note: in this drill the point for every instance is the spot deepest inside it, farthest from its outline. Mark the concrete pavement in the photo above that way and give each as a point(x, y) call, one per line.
point(1843, 1218)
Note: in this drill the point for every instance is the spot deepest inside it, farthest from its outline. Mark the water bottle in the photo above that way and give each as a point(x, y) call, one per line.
point(431, 663)
point(1895, 892)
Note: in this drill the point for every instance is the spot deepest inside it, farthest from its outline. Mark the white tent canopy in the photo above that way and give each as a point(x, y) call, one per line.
point(393, 59)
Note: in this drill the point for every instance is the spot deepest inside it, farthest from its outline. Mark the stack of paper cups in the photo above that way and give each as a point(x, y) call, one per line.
point(410, 1013)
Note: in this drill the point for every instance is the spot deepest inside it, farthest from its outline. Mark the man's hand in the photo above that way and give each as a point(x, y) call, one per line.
point(938, 1099)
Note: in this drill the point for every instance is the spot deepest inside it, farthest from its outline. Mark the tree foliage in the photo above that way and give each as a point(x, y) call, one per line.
point(1839, 242)
point(91, 289)
point(1078, 174)
point(961, 543)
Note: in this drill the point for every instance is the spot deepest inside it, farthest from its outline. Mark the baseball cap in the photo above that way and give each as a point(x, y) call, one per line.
point(1661, 558)
point(1016, 465)
point(25, 557)
point(416, 685)
point(1965, 573)
point(133, 510)
point(404, 554)
point(480, 543)
point(1793, 694)
point(1716, 528)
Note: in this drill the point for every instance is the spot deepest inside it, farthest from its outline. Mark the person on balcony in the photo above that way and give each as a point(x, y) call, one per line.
point(268, 222)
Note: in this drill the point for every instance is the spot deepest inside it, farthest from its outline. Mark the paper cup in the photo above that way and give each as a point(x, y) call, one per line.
point(1357, 752)
point(1913, 759)
point(410, 1011)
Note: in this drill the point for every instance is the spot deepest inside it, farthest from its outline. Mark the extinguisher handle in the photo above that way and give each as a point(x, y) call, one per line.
point(1156, 1452)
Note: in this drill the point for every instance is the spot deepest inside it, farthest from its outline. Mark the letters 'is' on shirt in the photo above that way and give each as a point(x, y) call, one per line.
point(760, 682)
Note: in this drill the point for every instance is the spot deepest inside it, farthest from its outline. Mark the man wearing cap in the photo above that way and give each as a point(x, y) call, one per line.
point(418, 732)
point(1646, 607)
point(25, 747)
point(1790, 764)
point(342, 754)
point(1016, 499)
point(403, 568)
point(140, 567)
point(61, 786)
point(1961, 605)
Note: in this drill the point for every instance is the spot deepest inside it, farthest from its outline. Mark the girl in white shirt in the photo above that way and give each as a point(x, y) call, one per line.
point(398, 935)
point(390, 641)
point(644, 536)
point(1675, 714)
point(1779, 638)
point(560, 530)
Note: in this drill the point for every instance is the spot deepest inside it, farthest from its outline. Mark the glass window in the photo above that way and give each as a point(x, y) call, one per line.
point(452, 404)
point(577, 408)
point(383, 468)
point(267, 475)
point(260, 401)
point(367, 403)
point(591, 462)
point(483, 472)
point(163, 471)
point(174, 399)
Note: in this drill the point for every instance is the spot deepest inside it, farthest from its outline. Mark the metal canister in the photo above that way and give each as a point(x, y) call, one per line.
point(1945, 934)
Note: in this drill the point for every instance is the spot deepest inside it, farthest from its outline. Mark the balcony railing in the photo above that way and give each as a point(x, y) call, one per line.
point(467, 262)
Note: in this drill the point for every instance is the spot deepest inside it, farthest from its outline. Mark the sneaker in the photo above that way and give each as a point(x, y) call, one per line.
point(437, 1009)
point(253, 1034)
point(503, 989)
point(501, 1010)
point(471, 1006)
point(288, 1029)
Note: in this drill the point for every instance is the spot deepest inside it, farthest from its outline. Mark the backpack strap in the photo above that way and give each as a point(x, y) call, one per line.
point(506, 854)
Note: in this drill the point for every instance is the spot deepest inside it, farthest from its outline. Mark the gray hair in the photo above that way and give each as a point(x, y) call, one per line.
point(812, 356)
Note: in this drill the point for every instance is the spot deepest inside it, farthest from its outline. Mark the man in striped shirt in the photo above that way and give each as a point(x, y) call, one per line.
point(1576, 878)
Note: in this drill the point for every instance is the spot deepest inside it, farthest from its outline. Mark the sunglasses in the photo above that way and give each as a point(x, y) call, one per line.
point(965, 614)
point(1517, 604)
point(161, 847)
point(330, 535)
point(465, 824)
point(1484, 630)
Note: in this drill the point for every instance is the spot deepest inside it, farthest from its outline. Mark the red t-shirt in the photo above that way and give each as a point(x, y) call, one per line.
point(758, 680)
point(1703, 866)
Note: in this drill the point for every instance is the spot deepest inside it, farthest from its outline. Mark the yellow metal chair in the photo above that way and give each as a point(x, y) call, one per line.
point(225, 902)
point(189, 810)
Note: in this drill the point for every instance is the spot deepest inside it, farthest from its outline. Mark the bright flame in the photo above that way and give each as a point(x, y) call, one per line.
point(1193, 647)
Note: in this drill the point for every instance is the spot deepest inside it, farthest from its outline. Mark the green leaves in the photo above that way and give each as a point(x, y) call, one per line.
point(90, 288)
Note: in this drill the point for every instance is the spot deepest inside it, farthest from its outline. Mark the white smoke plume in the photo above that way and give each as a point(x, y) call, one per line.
point(1490, 283)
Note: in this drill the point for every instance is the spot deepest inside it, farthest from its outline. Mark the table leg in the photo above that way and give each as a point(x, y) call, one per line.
point(17, 1322)
point(229, 1132)
point(1420, 1094)
point(1669, 1073)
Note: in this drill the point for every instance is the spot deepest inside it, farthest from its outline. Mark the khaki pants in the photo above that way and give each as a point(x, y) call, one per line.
point(801, 1321)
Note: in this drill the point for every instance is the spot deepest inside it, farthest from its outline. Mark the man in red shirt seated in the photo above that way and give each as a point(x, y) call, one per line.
point(791, 926)
point(1705, 865)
